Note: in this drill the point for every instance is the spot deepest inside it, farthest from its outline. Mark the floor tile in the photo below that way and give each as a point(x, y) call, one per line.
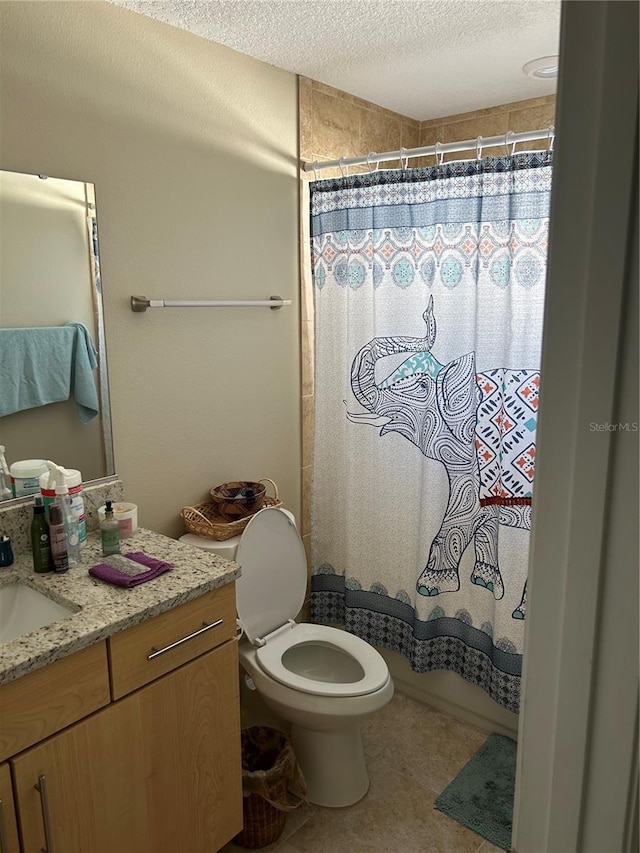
point(420, 742)
point(395, 815)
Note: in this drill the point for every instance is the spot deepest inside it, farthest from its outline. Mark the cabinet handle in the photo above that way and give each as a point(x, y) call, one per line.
point(4, 847)
point(42, 788)
point(206, 626)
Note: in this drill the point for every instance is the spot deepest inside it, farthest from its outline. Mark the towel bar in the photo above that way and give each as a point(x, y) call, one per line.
point(141, 303)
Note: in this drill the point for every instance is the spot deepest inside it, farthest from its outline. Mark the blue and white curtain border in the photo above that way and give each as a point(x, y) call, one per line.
point(496, 188)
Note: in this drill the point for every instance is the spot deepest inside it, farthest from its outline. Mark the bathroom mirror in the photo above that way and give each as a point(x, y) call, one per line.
point(49, 277)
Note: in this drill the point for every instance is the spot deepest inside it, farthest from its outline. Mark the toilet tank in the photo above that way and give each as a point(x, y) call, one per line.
point(226, 548)
point(223, 548)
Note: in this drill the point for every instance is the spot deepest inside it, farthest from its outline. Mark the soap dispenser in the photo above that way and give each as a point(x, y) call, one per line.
point(110, 532)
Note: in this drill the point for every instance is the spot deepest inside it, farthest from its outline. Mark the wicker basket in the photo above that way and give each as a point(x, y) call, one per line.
point(268, 766)
point(262, 823)
point(239, 498)
point(204, 519)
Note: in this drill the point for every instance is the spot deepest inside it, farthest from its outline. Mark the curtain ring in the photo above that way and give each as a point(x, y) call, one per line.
point(439, 154)
point(404, 159)
point(345, 174)
point(370, 155)
point(507, 140)
point(551, 135)
point(479, 148)
point(314, 166)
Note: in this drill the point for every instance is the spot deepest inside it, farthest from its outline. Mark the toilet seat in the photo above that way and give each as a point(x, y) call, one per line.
point(273, 583)
point(370, 672)
point(315, 659)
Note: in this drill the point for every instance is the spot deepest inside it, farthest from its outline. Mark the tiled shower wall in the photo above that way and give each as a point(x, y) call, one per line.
point(334, 124)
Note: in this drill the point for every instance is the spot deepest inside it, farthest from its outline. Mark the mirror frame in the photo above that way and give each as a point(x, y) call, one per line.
point(103, 368)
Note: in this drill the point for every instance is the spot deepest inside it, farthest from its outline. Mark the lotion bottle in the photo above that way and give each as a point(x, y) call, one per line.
point(110, 532)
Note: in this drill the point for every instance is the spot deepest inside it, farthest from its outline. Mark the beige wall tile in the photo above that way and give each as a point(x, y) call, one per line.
point(336, 126)
point(532, 118)
point(307, 358)
point(305, 118)
point(491, 124)
point(307, 430)
point(431, 133)
point(306, 500)
point(410, 136)
point(379, 132)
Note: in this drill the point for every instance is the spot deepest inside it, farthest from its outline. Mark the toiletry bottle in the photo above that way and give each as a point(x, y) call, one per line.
point(48, 486)
point(71, 525)
point(73, 479)
point(40, 539)
point(6, 552)
point(110, 532)
point(58, 538)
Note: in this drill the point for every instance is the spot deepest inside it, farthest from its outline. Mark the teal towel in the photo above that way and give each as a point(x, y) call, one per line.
point(46, 364)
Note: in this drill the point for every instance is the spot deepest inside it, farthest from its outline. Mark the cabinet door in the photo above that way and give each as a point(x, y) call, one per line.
point(8, 826)
point(157, 772)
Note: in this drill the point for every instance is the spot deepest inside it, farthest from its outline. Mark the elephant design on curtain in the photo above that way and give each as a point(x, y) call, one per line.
point(480, 426)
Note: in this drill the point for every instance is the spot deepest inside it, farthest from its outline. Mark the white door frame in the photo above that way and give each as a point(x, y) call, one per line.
point(580, 680)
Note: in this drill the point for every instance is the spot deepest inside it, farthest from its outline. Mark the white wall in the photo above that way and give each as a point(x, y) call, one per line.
point(192, 149)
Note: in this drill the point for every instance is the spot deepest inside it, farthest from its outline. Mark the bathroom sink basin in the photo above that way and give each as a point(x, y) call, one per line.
point(23, 609)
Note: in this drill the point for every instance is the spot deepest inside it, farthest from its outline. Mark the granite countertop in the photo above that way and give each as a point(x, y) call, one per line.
point(101, 609)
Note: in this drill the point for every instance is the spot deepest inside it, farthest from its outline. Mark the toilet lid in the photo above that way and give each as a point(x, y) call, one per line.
point(273, 583)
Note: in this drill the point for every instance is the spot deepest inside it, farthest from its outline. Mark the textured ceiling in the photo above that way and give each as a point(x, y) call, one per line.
point(420, 58)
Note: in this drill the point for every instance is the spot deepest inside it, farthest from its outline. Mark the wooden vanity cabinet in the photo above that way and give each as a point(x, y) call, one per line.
point(157, 771)
point(8, 825)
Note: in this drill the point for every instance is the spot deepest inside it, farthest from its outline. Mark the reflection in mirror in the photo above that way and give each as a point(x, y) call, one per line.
point(49, 278)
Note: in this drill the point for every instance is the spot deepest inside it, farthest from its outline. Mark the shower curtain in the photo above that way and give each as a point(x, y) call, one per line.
point(428, 297)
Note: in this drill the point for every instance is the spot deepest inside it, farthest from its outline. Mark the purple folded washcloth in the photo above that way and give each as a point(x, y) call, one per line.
point(130, 569)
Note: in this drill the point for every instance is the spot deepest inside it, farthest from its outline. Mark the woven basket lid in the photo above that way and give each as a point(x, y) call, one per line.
point(273, 583)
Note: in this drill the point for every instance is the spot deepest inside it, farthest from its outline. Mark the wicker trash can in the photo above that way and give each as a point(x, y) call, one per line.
point(268, 766)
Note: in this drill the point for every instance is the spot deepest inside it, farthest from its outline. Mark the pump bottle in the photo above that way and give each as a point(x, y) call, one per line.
point(40, 539)
point(110, 532)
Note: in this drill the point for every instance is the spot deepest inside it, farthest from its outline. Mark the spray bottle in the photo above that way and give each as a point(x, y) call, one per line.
point(5, 478)
point(74, 484)
point(71, 526)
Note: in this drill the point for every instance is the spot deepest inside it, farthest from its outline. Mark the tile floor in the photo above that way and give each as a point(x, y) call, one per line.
point(413, 752)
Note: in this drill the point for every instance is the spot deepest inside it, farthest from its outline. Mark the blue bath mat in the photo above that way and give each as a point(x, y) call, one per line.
point(481, 795)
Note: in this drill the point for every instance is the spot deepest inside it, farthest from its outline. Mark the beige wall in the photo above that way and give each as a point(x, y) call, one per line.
point(193, 150)
point(334, 124)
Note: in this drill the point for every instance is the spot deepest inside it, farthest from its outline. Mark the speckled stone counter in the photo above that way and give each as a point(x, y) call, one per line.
point(101, 609)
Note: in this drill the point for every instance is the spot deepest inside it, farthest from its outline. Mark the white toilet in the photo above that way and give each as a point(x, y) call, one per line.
point(321, 679)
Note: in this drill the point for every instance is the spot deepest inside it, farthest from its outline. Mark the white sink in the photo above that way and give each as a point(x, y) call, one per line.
point(23, 609)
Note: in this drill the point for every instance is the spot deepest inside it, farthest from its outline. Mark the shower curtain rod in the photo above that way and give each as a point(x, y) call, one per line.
point(439, 149)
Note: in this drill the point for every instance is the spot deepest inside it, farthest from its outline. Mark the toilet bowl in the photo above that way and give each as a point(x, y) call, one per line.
point(323, 680)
